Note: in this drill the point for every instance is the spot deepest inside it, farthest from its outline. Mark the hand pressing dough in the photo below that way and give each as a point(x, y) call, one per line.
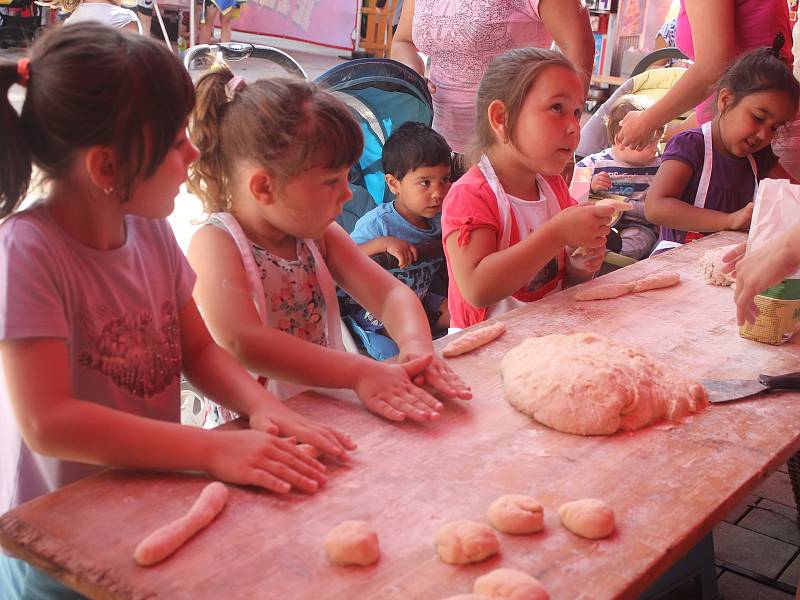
point(711, 264)
point(474, 339)
point(589, 518)
point(352, 543)
point(517, 514)
point(587, 384)
point(606, 291)
point(510, 584)
point(167, 539)
point(656, 281)
point(462, 542)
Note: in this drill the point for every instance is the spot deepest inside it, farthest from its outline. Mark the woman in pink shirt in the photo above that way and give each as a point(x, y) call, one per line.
point(713, 33)
point(462, 36)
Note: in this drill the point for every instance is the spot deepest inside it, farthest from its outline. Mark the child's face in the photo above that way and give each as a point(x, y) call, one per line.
point(750, 125)
point(421, 192)
point(548, 127)
point(306, 204)
point(154, 196)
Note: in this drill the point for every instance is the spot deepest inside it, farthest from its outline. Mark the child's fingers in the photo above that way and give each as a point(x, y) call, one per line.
point(387, 411)
point(298, 460)
point(415, 366)
point(447, 383)
point(262, 478)
point(283, 472)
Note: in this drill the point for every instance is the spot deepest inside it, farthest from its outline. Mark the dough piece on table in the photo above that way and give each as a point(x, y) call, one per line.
point(510, 584)
point(462, 542)
point(604, 291)
point(656, 281)
point(167, 539)
point(587, 384)
point(589, 518)
point(309, 450)
point(474, 339)
point(352, 543)
point(711, 264)
point(517, 514)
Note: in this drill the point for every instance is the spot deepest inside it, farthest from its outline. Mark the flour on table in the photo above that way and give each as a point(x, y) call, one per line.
point(590, 518)
point(587, 384)
point(510, 584)
point(462, 542)
point(352, 543)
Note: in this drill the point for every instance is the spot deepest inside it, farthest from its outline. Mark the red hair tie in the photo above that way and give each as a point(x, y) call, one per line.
point(23, 71)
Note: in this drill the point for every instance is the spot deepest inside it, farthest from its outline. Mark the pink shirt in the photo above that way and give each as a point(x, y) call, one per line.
point(461, 37)
point(755, 22)
point(470, 204)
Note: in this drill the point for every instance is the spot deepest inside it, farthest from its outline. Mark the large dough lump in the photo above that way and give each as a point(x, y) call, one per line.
point(510, 584)
point(515, 513)
point(589, 518)
point(587, 384)
point(352, 543)
point(711, 266)
point(462, 542)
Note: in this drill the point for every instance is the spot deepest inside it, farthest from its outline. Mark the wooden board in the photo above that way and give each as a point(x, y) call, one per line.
point(668, 485)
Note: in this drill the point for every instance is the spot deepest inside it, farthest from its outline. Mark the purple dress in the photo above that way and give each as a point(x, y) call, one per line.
point(732, 183)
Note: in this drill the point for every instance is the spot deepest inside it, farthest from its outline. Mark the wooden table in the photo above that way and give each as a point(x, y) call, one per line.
point(669, 485)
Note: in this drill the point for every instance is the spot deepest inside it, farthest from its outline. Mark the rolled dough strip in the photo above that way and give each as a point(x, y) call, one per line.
point(657, 281)
point(604, 291)
point(167, 539)
point(474, 339)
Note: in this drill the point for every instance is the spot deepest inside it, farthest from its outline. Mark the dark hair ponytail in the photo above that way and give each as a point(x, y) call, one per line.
point(15, 157)
point(92, 85)
point(761, 70)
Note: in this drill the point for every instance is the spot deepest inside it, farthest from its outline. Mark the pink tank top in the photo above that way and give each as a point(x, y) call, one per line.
point(461, 37)
point(755, 22)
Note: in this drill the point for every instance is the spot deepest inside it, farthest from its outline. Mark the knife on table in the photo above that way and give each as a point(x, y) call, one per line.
point(725, 390)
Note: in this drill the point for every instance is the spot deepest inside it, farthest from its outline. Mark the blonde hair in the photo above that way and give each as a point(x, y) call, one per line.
point(285, 125)
point(509, 78)
point(621, 107)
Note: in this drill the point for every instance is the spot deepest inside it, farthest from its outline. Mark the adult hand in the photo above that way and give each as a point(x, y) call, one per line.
point(637, 132)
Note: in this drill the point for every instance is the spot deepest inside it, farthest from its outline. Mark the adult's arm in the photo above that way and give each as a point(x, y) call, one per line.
point(712, 23)
point(568, 23)
point(403, 48)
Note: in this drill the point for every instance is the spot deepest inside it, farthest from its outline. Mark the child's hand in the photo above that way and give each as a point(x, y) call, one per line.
point(441, 378)
point(740, 220)
point(404, 252)
point(589, 260)
point(585, 225)
point(292, 424)
point(600, 182)
point(388, 390)
point(255, 458)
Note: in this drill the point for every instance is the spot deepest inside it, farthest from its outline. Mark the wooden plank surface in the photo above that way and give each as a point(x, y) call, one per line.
point(668, 485)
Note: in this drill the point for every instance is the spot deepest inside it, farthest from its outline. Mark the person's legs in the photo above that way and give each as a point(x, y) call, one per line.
point(206, 30)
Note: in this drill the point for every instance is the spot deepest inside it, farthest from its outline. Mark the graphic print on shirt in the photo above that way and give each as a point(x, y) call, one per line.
point(297, 302)
point(140, 354)
point(463, 47)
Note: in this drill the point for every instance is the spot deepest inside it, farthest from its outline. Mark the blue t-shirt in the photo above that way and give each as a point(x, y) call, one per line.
point(384, 220)
point(732, 183)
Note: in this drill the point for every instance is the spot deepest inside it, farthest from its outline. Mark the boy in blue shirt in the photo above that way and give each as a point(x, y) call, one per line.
point(417, 164)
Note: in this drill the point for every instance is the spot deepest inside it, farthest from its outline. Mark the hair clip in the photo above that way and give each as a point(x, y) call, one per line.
point(236, 84)
point(23, 71)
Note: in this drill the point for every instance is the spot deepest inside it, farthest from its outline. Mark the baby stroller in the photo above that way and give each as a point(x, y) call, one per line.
point(382, 94)
point(20, 21)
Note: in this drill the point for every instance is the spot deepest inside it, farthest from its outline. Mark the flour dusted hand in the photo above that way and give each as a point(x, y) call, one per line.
point(164, 541)
point(474, 339)
point(587, 384)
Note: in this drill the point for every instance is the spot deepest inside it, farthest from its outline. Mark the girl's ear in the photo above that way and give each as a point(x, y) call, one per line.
point(393, 183)
point(262, 187)
point(497, 119)
point(101, 166)
point(725, 100)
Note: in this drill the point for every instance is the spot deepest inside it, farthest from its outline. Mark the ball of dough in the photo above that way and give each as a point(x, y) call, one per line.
point(711, 264)
point(515, 513)
point(589, 518)
point(510, 584)
point(352, 543)
point(462, 542)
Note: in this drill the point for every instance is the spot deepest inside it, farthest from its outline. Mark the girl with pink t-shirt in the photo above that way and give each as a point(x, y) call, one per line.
point(509, 225)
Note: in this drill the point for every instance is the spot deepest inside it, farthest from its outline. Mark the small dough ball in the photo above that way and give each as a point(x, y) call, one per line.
point(468, 597)
point(515, 513)
point(510, 584)
point(462, 542)
point(309, 450)
point(352, 543)
point(589, 518)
